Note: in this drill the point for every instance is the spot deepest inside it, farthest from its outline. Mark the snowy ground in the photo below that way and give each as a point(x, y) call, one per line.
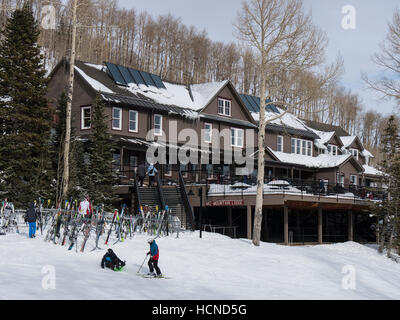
point(215, 267)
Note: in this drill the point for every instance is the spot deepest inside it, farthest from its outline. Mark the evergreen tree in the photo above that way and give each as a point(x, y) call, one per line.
point(25, 165)
point(388, 210)
point(102, 177)
point(78, 165)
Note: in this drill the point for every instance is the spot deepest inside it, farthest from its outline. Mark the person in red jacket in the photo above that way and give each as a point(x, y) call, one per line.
point(154, 257)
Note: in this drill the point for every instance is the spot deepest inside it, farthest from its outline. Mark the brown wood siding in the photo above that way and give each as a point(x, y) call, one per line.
point(236, 108)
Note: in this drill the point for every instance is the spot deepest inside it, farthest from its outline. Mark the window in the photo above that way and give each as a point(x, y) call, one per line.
point(210, 170)
point(117, 119)
point(168, 170)
point(116, 162)
point(303, 147)
point(340, 179)
point(207, 132)
point(332, 150)
point(237, 137)
point(86, 116)
point(309, 148)
point(133, 121)
point(184, 169)
point(353, 180)
point(279, 143)
point(354, 152)
point(224, 107)
point(158, 125)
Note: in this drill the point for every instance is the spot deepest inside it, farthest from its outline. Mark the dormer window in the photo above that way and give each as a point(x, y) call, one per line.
point(354, 152)
point(332, 150)
point(224, 107)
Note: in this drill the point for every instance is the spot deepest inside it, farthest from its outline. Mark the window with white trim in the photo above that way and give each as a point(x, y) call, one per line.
point(302, 147)
point(354, 152)
point(224, 107)
point(117, 119)
point(309, 148)
point(237, 137)
point(332, 150)
point(133, 121)
point(279, 143)
point(207, 132)
point(353, 180)
point(86, 117)
point(158, 125)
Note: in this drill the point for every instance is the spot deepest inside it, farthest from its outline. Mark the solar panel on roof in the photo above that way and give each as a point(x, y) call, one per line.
point(255, 101)
point(149, 81)
point(118, 79)
point(125, 74)
point(252, 104)
point(246, 102)
point(137, 76)
point(157, 80)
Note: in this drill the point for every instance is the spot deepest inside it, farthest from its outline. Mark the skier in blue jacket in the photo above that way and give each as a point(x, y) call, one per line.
point(151, 172)
point(154, 257)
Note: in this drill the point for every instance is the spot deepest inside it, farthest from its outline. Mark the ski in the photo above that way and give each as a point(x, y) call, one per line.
point(148, 276)
point(112, 223)
point(88, 228)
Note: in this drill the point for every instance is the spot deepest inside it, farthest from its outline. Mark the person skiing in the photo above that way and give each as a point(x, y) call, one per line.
point(154, 257)
point(151, 172)
point(111, 261)
point(141, 174)
point(31, 219)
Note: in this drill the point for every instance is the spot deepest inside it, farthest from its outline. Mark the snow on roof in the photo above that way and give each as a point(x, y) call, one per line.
point(99, 67)
point(372, 171)
point(367, 154)
point(96, 85)
point(347, 141)
point(286, 120)
point(179, 95)
point(325, 137)
point(321, 161)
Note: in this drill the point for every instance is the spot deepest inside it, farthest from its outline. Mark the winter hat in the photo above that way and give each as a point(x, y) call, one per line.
point(150, 241)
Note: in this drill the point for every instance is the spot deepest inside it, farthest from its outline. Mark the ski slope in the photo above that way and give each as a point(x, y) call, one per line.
point(215, 267)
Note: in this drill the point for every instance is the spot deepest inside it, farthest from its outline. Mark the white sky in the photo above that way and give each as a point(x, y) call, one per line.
point(356, 46)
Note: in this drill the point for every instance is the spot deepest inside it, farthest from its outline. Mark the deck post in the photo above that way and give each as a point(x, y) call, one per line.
point(230, 220)
point(286, 224)
point(351, 226)
point(249, 222)
point(320, 234)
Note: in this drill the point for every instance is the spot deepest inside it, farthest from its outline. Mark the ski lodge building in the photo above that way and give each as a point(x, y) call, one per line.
point(319, 183)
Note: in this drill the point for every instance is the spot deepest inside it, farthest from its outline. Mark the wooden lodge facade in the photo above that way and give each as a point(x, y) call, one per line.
point(318, 178)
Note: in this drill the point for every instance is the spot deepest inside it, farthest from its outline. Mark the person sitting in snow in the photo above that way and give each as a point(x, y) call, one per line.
point(111, 261)
point(154, 257)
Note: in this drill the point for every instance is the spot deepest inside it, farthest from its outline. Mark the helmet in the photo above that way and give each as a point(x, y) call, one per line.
point(150, 241)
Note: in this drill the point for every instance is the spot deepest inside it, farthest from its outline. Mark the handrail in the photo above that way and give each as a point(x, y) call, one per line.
point(186, 202)
point(136, 187)
point(160, 191)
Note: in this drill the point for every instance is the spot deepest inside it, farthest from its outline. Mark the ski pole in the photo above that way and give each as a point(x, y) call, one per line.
point(142, 263)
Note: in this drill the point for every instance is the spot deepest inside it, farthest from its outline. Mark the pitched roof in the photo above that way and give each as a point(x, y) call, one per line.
point(326, 127)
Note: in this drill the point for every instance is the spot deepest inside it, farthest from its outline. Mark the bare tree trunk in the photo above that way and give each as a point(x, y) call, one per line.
point(69, 105)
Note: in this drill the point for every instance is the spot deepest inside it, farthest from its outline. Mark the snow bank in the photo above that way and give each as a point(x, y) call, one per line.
point(215, 267)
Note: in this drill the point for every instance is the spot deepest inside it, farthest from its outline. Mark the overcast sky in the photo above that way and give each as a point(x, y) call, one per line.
point(355, 45)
